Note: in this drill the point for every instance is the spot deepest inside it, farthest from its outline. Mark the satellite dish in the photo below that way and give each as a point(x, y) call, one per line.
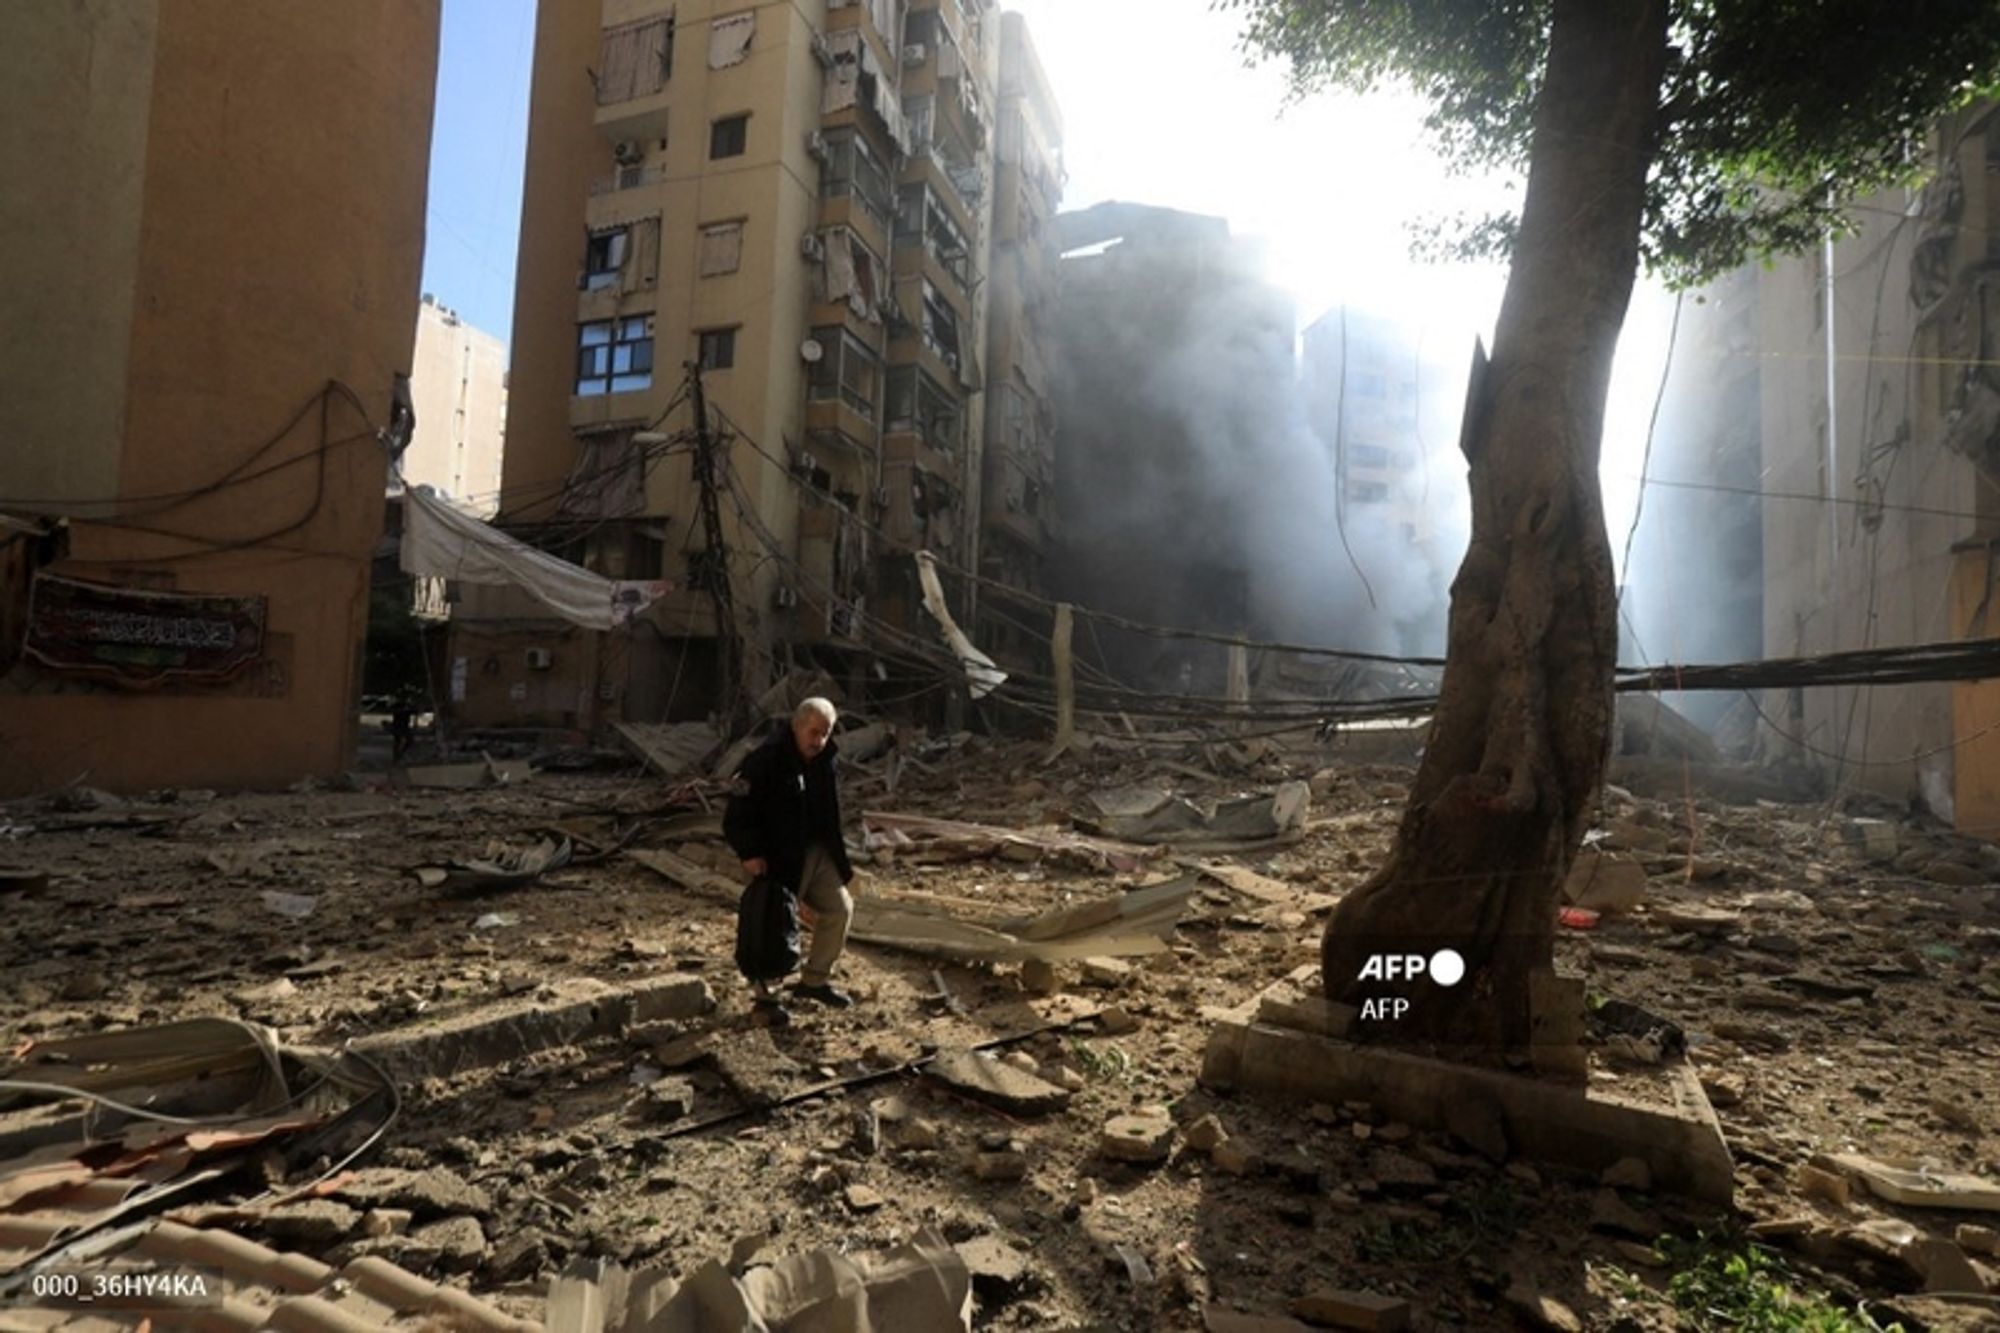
point(811, 351)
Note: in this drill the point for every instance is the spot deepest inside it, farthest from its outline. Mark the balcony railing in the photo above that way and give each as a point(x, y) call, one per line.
point(627, 178)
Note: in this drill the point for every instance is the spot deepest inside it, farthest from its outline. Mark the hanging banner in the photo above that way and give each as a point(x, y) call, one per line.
point(139, 638)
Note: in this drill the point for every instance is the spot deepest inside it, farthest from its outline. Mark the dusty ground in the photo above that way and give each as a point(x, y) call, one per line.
point(572, 1152)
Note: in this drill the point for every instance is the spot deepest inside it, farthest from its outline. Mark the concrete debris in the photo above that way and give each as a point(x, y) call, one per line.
point(933, 839)
point(1206, 1134)
point(999, 1272)
point(1978, 1239)
point(1130, 924)
point(1145, 1138)
point(1814, 1183)
point(1153, 815)
point(1039, 977)
point(986, 1079)
point(919, 1287)
point(486, 771)
point(672, 749)
point(1913, 1183)
point(1000, 1167)
point(501, 867)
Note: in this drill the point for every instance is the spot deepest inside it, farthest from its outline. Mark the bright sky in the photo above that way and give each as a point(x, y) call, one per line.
point(1158, 108)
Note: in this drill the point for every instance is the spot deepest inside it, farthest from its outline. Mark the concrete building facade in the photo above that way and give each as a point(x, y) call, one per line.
point(458, 385)
point(192, 374)
point(1880, 480)
point(797, 198)
point(1018, 510)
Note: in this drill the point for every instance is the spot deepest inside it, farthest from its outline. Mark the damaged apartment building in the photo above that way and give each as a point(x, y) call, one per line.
point(197, 396)
point(1843, 448)
point(1178, 406)
point(802, 203)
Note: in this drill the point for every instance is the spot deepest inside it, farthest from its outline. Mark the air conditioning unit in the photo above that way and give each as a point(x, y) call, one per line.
point(807, 465)
point(881, 497)
point(785, 597)
point(628, 152)
point(914, 55)
point(822, 50)
point(812, 246)
point(816, 146)
point(540, 659)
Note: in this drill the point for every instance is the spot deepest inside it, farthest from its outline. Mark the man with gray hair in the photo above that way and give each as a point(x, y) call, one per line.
point(783, 820)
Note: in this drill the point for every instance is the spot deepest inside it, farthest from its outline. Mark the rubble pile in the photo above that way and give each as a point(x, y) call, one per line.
point(1009, 1129)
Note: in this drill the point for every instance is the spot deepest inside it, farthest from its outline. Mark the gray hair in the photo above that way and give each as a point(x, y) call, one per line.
point(816, 706)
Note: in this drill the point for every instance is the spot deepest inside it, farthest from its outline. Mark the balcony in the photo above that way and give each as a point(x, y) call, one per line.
point(838, 426)
point(1025, 529)
point(634, 63)
point(854, 17)
point(628, 178)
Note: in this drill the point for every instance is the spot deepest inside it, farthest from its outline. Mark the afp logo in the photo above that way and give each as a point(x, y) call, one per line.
point(1446, 967)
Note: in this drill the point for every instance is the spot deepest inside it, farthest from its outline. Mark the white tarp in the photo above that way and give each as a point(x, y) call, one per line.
point(443, 541)
point(984, 676)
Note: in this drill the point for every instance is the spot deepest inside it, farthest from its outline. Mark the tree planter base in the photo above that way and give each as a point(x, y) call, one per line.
point(1561, 1124)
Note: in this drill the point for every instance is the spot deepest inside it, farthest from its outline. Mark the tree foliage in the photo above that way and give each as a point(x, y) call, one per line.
point(1774, 113)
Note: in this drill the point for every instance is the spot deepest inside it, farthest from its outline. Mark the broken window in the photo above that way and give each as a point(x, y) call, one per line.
point(1367, 455)
point(849, 272)
point(940, 326)
point(729, 39)
point(614, 356)
point(853, 170)
point(729, 137)
point(847, 370)
point(917, 405)
point(1367, 492)
point(635, 60)
point(603, 257)
point(721, 248)
point(718, 349)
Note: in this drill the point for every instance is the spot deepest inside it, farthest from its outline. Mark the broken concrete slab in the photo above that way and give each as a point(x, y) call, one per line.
point(1911, 1182)
point(998, 1270)
point(1313, 1014)
point(985, 1079)
point(496, 1034)
point(1145, 1138)
point(430, 1193)
point(670, 749)
point(1584, 1128)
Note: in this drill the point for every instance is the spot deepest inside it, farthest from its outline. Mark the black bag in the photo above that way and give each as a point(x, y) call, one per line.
point(767, 931)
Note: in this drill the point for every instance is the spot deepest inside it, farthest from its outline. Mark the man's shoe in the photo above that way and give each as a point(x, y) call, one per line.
point(826, 995)
point(771, 1012)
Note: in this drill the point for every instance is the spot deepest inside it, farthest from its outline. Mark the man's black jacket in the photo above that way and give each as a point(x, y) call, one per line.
point(782, 806)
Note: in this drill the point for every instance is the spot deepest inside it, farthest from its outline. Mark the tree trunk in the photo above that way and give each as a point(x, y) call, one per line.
point(1519, 745)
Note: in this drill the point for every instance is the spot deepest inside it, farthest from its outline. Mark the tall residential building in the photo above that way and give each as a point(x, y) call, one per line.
point(1384, 400)
point(1175, 375)
point(210, 243)
point(797, 199)
point(1880, 480)
point(1018, 507)
point(458, 384)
